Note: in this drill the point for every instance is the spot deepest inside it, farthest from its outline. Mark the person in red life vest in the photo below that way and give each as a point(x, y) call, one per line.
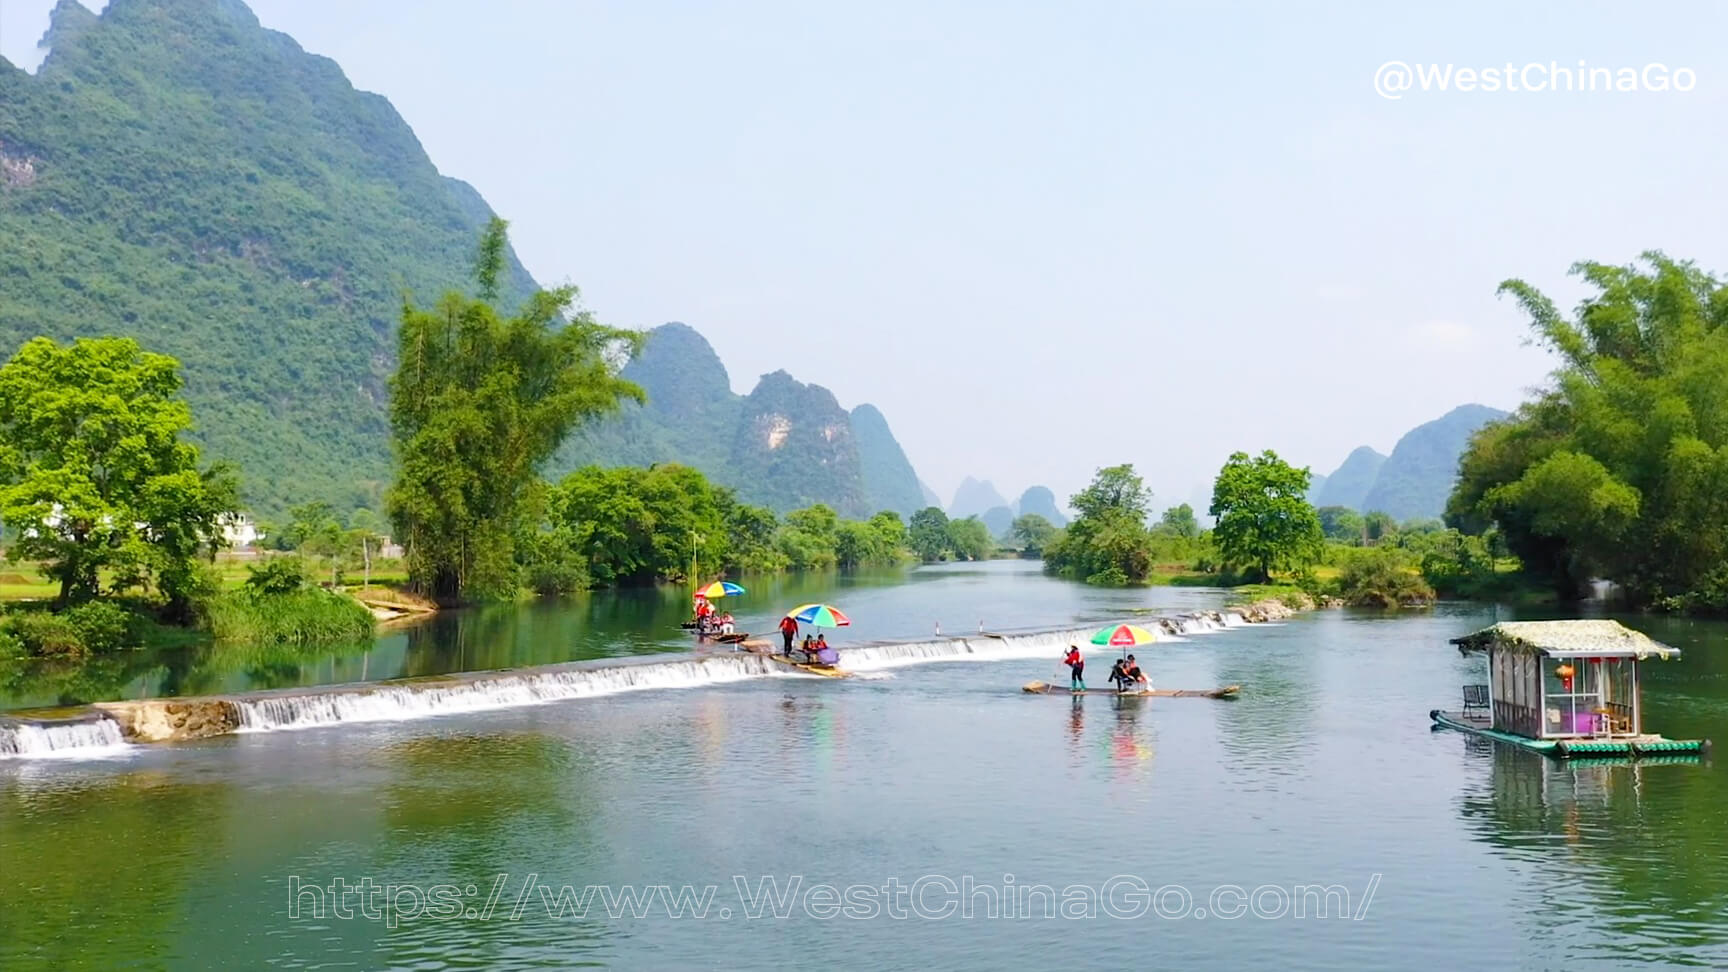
point(1076, 669)
point(788, 631)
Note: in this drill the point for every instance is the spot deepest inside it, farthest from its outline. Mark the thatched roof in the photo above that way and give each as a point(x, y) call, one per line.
point(1569, 639)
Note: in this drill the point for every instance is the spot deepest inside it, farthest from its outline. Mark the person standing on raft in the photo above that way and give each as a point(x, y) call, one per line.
point(788, 631)
point(1076, 669)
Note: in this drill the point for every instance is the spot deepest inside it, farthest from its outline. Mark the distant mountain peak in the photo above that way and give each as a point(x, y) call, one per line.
point(974, 497)
point(1416, 479)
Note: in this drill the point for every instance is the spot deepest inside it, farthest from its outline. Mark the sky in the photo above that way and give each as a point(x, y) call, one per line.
point(1047, 239)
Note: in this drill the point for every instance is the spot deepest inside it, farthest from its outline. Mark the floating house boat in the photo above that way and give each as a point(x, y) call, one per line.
point(1563, 688)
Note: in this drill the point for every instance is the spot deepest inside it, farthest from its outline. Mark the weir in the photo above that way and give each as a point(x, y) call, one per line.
point(107, 729)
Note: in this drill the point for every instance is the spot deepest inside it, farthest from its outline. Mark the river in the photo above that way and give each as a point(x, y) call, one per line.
point(927, 786)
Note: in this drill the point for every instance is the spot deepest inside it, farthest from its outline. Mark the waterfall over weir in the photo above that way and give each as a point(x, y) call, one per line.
point(100, 735)
point(96, 737)
point(490, 690)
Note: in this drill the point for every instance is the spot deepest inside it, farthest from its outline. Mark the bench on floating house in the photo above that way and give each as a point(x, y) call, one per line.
point(1475, 698)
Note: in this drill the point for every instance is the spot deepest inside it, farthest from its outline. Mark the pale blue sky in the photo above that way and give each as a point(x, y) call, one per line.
point(1044, 239)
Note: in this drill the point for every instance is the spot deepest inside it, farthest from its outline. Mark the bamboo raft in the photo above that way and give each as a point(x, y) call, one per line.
point(807, 667)
point(1045, 688)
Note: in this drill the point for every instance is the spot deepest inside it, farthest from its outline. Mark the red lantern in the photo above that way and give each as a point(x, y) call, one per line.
point(1565, 674)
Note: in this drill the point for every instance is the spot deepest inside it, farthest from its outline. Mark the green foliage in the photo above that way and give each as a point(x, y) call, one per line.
point(278, 575)
point(1263, 515)
point(928, 534)
point(1179, 521)
point(1033, 533)
point(308, 616)
point(1382, 577)
point(206, 187)
point(636, 526)
point(1341, 523)
point(92, 628)
point(629, 526)
point(478, 402)
point(1458, 565)
point(1620, 469)
point(970, 539)
point(1108, 543)
point(94, 474)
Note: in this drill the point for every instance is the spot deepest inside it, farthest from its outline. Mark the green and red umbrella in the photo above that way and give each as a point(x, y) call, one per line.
point(1123, 636)
point(820, 615)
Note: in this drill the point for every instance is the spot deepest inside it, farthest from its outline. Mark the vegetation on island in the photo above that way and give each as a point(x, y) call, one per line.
point(1620, 468)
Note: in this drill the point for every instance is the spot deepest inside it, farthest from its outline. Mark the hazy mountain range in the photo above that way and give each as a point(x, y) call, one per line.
point(1414, 481)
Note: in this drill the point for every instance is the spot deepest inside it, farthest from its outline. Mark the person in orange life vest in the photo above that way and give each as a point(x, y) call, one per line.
point(788, 631)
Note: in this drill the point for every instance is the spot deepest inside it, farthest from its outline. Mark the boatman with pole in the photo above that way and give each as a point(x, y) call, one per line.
point(1076, 669)
point(788, 631)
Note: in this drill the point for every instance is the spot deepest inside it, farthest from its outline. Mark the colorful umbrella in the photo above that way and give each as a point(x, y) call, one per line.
point(820, 615)
point(719, 589)
point(1123, 636)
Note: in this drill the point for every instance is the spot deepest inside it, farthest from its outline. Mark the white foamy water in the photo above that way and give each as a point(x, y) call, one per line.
point(970, 648)
point(413, 701)
point(96, 739)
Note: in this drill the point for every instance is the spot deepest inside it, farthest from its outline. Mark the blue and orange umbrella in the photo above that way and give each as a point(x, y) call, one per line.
point(820, 615)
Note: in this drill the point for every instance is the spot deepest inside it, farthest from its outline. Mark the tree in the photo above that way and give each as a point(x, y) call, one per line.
point(1179, 521)
point(94, 474)
point(928, 534)
point(1032, 532)
point(1341, 523)
point(1108, 543)
point(969, 539)
point(1263, 516)
point(478, 402)
point(1620, 468)
point(637, 526)
point(1378, 526)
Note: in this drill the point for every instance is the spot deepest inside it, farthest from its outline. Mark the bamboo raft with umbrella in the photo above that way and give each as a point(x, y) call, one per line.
point(826, 663)
point(1125, 636)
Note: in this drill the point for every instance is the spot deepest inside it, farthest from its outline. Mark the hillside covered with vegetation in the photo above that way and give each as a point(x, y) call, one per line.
point(177, 174)
point(786, 445)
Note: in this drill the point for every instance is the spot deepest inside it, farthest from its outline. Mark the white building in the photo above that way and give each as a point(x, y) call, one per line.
point(239, 530)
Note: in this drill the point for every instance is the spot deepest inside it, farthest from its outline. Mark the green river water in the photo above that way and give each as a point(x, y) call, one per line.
point(922, 814)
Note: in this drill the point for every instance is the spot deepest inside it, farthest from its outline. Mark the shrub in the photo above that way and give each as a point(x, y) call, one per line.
point(278, 575)
point(305, 617)
point(103, 627)
point(47, 635)
point(1378, 577)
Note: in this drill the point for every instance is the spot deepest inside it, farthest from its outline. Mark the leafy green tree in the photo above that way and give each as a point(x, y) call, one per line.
point(1179, 521)
point(969, 539)
point(478, 402)
point(636, 526)
point(810, 538)
point(1378, 526)
point(928, 534)
point(1108, 543)
point(750, 538)
point(1620, 468)
point(1341, 523)
point(1032, 532)
point(1263, 516)
point(94, 473)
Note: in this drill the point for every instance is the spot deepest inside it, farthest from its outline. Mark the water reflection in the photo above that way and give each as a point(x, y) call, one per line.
point(1610, 845)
